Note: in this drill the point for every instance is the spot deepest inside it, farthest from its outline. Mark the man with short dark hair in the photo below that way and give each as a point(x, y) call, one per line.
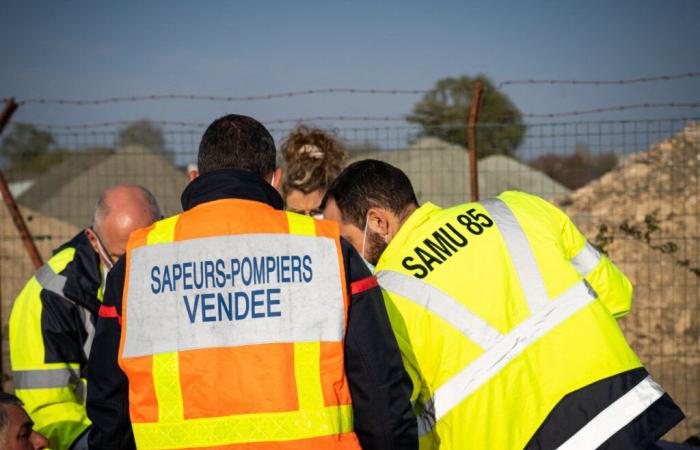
point(16, 428)
point(238, 325)
point(505, 316)
point(52, 320)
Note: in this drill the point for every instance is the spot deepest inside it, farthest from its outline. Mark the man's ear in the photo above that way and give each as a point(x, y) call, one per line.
point(378, 221)
point(192, 171)
point(92, 238)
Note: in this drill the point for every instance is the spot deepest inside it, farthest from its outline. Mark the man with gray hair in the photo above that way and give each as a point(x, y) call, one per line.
point(52, 320)
point(16, 427)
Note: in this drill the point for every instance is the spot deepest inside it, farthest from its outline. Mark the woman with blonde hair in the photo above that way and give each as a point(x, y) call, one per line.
point(312, 160)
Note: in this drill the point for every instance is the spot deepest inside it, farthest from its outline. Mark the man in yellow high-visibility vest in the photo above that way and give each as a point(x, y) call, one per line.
point(52, 323)
point(505, 316)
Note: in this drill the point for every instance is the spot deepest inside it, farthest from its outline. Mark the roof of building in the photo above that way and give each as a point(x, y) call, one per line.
point(439, 172)
point(69, 190)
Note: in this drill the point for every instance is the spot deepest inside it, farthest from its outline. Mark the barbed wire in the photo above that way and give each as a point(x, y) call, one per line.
point(339, 119)
point(218, 98)
point(612, 109)
point(343, 118)
point(307, 92)
point(604, 82)
point(201, 124)
point(116, 123)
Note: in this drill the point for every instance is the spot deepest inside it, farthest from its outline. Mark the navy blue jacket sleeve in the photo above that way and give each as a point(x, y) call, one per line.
point(379, 385)
point(108, 389)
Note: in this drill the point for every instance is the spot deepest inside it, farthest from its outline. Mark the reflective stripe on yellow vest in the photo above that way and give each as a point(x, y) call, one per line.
point(451, 403)
point(586, 260)
point(233, 331)
point(53, 393)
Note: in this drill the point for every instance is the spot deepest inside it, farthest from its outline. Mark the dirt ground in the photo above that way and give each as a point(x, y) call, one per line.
point(645, 214)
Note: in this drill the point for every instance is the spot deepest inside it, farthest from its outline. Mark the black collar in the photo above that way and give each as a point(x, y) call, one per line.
point(83, 276)
point(229, 183)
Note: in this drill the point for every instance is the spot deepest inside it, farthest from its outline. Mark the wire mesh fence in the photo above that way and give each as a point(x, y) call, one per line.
point(631, 186)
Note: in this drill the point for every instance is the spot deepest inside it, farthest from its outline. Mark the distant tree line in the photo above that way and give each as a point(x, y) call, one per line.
point(443, 112)
point(27, 150)
point(576, 169)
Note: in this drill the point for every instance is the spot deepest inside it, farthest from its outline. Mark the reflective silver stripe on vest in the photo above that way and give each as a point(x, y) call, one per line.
point(81, 390)
point(586, 260)
point(46, 378)
point(81, 443)
point(545, 316)
point(50, 280)
point(521, 254)
point(86, 316)
point(485, 367)
point(426, 420)
point(613, 418)
point(440, 303)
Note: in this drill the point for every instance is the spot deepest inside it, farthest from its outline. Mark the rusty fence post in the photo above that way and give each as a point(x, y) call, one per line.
point(471, 141)
point(17, 218)
point(20, 224)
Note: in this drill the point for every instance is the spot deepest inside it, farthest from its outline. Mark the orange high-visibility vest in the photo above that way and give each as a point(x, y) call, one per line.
point(234, 317)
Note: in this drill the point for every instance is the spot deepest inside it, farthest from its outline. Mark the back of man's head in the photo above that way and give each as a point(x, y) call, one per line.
point(367, 184)
point(131, 200)
point(237, 142)
point(119, 211)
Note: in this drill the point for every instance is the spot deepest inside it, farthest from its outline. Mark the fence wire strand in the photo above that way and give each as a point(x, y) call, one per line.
point(620, 82)
point(343, 118)
point(325, 91)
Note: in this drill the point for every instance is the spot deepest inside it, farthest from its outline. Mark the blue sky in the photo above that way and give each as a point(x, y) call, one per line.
point(85, 50)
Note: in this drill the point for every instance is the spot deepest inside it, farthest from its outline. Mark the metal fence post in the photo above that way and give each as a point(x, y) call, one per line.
point(471, 140)
point(10, 108)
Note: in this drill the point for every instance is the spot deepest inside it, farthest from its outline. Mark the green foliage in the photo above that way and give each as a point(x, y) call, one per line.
point(24, 144)
point(143, 133)
point(603, 238)
point(643, 233)
point(28, 151)
point(45, 160)
point(444, 111)
point(577, 169)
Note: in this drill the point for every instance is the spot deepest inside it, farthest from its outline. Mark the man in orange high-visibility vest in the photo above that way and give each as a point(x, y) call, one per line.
point(239, 326)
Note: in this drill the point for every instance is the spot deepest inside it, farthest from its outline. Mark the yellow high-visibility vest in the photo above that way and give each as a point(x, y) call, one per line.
point(53, 393)
point(501, 308)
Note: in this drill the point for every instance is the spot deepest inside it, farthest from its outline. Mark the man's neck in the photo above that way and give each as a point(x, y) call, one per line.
point(410, 209)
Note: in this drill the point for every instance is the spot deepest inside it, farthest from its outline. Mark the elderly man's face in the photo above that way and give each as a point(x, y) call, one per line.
point(20, 432)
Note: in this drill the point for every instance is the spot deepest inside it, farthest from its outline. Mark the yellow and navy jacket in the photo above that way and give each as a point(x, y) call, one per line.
point(506, 319)
point(51, 331)
point(379, 386)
